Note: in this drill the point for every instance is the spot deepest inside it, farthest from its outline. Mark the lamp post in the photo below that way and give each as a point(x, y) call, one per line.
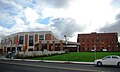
point(65, 41)
point(10, 45)
point(66, 46)
point(95, 52)
point(11, 53)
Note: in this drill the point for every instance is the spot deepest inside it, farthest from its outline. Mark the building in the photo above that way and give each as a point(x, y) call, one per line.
point(98, 41)
point(36, 41)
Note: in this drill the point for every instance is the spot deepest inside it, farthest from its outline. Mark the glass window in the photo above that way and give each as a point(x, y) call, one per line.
point(41, 37)
point(102, 39)
point(107, 39)
point(2, 42)
point(92, 39)
point(30, 40)
point(6, 41)
point(21, 39)
point(87, 40)
point(97, 39)
point(82, 39)
point(115, 57)
point(108, 57)
point(30, 49)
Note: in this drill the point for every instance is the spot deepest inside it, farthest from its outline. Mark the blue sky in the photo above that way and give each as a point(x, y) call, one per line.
point(68, 17)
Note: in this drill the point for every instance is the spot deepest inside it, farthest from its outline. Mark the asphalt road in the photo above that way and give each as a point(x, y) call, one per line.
point(24, 66)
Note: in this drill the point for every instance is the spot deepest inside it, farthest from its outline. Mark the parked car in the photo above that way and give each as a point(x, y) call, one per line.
point(10, 55)
point(108, 60)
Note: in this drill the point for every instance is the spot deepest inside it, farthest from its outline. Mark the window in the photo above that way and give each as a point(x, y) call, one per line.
point(6, 41)
point(97, 39)
point(82, 39)
point(112, 39)
point(92, 39)
point(107, 39)
point(87, 39)
point(107, 57)
point(30, 49)
point(102, 39)
point(21, 39)
point(2, 42)
point(30, 40)
point(41, 37)
point(115, 57)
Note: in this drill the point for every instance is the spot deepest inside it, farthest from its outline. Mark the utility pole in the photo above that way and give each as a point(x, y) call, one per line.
point(11, 44)
point(66, 46)
point(65, 41)
point(11, 53)
point(95, 52)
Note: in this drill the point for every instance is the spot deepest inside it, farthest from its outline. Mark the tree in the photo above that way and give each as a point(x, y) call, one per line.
point(118, 46)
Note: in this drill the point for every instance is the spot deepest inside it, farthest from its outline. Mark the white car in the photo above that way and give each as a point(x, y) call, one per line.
point(108, 60)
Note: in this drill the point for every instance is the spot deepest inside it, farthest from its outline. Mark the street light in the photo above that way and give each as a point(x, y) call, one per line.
point(66, 46)
point(94, 52)
point(65, 41)
point(10, 54)
point(11, 45)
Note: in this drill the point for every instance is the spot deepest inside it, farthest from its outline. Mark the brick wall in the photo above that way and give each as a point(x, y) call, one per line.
point(99, 40)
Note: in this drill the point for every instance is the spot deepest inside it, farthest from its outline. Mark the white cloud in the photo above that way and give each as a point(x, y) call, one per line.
point(19, 21)
point(4, 32)
point(92, 13)
point(31, 14)
point(88, 15)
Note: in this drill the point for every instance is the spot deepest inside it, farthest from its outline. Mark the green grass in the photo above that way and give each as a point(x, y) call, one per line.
point(75, 56)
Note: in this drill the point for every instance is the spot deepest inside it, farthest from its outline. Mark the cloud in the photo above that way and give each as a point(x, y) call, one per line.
point(58, 3)
point(4, 32)
point(60, 16)
point(10, 7)
point(25, 3)
point(115, 27)
point(6, 22)
point(8, 11)
point(31, 14)
point(66, 26)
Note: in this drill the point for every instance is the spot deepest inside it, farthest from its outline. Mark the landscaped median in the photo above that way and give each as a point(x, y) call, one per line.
point(77, 56)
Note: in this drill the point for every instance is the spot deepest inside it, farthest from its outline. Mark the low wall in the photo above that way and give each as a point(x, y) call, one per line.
point(39, 53)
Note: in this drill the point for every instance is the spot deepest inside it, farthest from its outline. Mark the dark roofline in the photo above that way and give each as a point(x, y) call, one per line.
point(98, 33)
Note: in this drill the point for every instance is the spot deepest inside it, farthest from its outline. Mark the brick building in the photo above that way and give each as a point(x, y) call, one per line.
point(98, 41)
point(35, 41)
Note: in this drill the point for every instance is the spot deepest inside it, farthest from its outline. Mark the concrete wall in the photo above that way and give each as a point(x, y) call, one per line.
point(40, 53)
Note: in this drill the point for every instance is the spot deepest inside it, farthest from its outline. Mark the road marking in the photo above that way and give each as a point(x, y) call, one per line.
point(77, 69)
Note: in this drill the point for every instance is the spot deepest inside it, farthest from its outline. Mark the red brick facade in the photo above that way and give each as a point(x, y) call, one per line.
point(36, 37)
point(36, 41)
point(100, 41)
point(15, 38)
point(26, 39)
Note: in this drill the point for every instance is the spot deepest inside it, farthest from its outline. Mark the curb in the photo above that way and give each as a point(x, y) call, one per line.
point(50, 61)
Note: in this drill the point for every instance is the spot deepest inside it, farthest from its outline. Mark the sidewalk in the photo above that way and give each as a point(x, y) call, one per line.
point(50, 61)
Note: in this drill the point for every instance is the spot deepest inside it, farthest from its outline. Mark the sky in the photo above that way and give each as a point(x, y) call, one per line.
point(62, 17)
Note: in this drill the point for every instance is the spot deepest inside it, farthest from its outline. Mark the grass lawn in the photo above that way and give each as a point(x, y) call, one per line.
point(75, 56)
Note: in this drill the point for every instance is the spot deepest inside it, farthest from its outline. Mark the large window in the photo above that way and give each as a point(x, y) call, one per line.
point(97, 39)
point(21, 39)
point(41, 37)
point(2, 42)
point(92, 39)
point(6, 41)
point(31, 40)
point(82, 39)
